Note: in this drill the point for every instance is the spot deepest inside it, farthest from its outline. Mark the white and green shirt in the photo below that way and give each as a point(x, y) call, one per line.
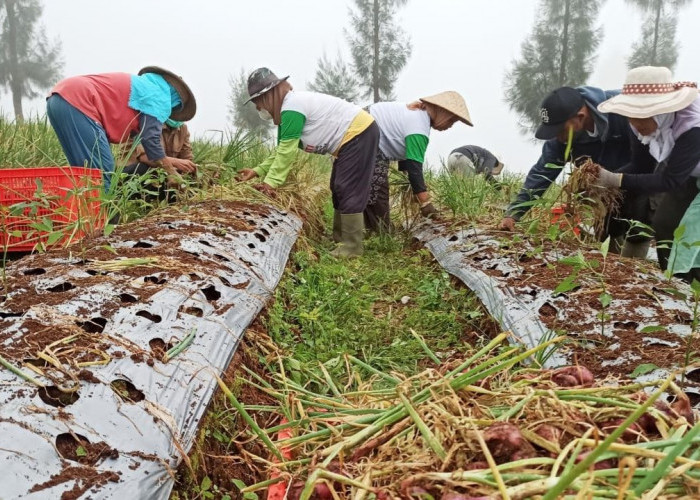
point(315, 122)
point(403, 133)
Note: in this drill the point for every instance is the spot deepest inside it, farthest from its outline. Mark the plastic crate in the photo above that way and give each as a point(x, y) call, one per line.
point(68, 197)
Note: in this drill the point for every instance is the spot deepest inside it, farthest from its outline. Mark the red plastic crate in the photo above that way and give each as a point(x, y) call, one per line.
point(67, 196)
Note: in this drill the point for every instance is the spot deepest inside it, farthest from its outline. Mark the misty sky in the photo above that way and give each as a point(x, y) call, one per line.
point(463, 45)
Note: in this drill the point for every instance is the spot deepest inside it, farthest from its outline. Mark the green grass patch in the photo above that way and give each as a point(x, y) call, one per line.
point(367, 307)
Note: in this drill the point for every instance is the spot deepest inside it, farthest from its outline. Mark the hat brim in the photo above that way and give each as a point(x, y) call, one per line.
point(648, 105)
point(547, 131)
point(267, 89)
point(461, 116)
point(189, 105)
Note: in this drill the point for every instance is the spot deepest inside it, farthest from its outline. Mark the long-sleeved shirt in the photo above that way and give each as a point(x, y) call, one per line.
point(610, 147)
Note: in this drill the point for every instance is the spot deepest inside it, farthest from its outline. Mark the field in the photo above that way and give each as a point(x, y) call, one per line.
point(380, 377)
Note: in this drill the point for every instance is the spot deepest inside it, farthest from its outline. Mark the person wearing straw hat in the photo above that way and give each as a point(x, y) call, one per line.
point(404, 134)
point(472, 160)
point(320, 124)
point(665, 118)
point(604, 137)
point(89, 112)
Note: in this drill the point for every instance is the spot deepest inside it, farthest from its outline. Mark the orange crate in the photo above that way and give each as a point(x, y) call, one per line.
point(29, 197)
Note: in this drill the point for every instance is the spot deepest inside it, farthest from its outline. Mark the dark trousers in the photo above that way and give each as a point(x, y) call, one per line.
point(669, 209)
point(352, 171)
point(140, 169)
point(377, 217)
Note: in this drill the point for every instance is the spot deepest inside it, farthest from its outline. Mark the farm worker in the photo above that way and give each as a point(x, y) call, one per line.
point(472, 160)
point(91, 111)
point(604, 137)
point(404, 134)
point(321, 124)
point(175, 140)
point(665, 118)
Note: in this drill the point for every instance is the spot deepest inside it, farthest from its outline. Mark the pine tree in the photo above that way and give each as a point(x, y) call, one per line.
point(379, 47)
point(29, 63)
point(657, 45)
point(243, 115)
point(335, 78)
point(560, 51)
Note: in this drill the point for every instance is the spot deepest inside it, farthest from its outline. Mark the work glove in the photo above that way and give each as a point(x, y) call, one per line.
point(428, 210)
point(608, 179)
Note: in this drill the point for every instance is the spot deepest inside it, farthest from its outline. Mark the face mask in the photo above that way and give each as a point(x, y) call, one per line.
point(173, 123)
point(264, 114)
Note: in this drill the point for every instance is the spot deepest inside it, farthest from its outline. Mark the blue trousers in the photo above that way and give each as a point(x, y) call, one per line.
point(83, 140)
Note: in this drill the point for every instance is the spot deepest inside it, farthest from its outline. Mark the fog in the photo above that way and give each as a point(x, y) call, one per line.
point(463, 45)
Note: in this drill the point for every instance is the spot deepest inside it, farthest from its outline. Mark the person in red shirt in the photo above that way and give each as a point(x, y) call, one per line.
point(89, 112)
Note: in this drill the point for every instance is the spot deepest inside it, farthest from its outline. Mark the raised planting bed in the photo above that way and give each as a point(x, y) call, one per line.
point(623, 316)
point(115, 347)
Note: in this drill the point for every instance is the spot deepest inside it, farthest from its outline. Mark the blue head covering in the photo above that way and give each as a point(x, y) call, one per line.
point(152, 95)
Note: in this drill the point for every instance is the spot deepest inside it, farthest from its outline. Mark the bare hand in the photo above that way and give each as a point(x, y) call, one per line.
point(507, 224)
point(266, 189)
point(246, 174)
point(184, 166)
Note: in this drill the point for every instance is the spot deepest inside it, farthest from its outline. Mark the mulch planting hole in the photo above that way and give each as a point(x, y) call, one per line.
point(159, 347)
point(156, 280)
point(260, 237)
point(127, 391)
point(62, 287)
point(78, 449)
point(211, 293)
point(153, 317)
point(143, 244)
point(194, 311)
point(127, 298)
point(206, 243)
point(34, 272)
point(53, 396)
point(222, 258)
point(93, 325)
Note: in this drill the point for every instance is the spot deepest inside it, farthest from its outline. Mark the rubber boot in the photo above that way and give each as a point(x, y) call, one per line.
point(352, 227)
point(635, 250)
point(337, 232)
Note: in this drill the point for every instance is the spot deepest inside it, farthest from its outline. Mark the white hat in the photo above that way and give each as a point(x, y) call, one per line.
point(648, 91)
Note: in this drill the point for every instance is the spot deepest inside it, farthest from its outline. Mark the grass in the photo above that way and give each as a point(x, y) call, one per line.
point(325, 308)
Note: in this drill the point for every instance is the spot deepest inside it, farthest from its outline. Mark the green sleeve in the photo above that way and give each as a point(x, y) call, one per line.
point(280, 163)
point(416, 144)
point(264, 167)
point(291, 125)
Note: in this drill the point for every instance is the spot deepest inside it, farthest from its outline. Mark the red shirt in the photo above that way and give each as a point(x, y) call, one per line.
point(105, 99)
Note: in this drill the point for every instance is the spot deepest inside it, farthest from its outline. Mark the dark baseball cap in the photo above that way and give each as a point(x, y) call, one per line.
point(560, 105)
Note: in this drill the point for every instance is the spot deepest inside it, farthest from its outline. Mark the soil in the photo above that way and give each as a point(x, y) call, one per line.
point(640, 297)
point(84, 477)
point(56, 277)
point(223, 461)
point(78, 449)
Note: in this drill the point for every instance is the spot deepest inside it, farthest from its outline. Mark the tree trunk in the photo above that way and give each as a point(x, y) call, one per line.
point(656, 32)
point(565, 44)
point(375, 62)
point(15, 77)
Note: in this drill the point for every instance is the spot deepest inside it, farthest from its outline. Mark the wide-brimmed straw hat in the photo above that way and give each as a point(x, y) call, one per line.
point(188, 108)
point(260, 81)
point(450, 101)
point(649, 91)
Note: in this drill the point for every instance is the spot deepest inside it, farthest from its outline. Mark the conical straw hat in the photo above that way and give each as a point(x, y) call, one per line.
point(451, 101)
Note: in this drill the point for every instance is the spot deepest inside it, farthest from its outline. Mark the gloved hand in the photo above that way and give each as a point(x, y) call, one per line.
point(266, 189)
point(507, 224)
point(608, 179)
point(428, 210)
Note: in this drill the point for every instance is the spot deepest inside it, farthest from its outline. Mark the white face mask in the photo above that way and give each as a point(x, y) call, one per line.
point(264, 114)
